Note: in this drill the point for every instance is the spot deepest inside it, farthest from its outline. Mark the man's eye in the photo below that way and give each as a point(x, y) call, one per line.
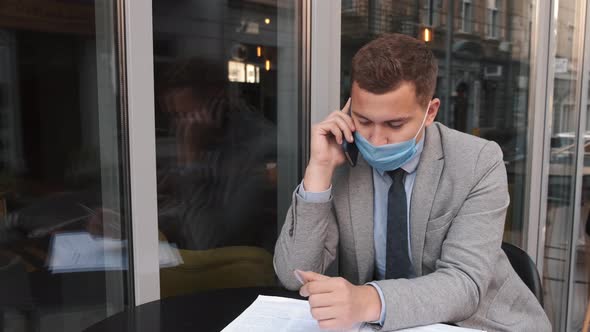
point(364, 121)
point(395, 125)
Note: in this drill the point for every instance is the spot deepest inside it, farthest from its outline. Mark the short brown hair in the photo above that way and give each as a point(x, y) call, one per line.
point(392, 59)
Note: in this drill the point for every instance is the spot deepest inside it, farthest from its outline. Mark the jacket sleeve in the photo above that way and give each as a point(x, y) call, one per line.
point(308, 240)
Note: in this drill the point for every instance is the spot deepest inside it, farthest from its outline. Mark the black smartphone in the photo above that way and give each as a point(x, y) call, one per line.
point(350, 150)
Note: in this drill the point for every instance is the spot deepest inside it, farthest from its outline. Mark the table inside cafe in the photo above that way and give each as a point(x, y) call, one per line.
point(203, 312)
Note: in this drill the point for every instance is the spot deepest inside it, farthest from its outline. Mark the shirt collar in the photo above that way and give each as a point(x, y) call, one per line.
point(411, 165)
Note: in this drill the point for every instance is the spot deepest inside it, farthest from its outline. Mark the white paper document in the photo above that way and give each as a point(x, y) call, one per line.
point(80, 251)
point(279, 314)
point(276, 314)
point(440, 328)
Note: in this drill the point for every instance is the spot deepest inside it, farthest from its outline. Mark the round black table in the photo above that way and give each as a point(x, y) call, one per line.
point(202, 312)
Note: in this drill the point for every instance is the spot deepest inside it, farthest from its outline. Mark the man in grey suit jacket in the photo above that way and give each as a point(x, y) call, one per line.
point(453, 191)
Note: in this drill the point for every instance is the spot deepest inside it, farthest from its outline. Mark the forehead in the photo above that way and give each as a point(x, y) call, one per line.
point(401, 101)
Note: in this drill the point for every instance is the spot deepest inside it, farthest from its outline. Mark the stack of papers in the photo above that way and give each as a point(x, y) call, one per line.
point(279, 314)
point(80, 251)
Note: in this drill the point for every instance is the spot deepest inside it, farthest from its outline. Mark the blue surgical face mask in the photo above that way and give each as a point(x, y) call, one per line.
point(388, 157)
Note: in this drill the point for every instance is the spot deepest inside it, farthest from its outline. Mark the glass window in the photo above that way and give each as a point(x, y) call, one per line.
point(493, 17)
point(482, 83)
point(437, 12)
point(228, 123)
point(64, 224)
point(562, 250)
point(466, 16)
point(431, 12)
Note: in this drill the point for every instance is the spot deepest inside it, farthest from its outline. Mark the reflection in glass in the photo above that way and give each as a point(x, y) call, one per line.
point(581, 292)
point(63, 225)
point(561, 206)
point(221, 72)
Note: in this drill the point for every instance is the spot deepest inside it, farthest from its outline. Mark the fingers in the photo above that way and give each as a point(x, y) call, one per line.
point(311, 276)
point(346, 108)
point(339, 125)
point(344, 116)
point(298, 276)
point(316, 287)
point(332, 306)
point(330, 324)
point(308, 278)
point(324, 313)
point(345, 126)
point(331, 127)
point(320, 300)
point(327, 315)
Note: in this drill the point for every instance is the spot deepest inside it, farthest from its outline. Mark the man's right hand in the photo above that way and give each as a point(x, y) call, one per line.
point(326, 148)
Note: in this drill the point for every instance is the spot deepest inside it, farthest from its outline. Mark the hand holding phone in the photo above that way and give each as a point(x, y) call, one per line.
point(326, 151)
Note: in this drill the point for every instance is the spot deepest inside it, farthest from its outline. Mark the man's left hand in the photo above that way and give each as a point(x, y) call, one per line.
point(337, 304)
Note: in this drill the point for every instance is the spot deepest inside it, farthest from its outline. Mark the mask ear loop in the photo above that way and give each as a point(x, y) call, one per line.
point(423, 121)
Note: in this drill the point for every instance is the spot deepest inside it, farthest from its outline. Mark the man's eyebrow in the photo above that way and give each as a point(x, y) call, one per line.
point(400, 119)
point(359, 115)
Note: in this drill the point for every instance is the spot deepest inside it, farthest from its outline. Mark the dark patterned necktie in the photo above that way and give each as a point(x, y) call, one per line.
point(398, 264)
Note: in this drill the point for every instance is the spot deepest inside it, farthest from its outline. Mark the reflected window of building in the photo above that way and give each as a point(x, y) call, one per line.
point(566, 272)
point(466, 16)
point(493, 18)
point(431, 13)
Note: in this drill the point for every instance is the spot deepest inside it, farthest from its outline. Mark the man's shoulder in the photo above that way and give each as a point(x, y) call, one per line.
point(454, 139)
point(463, 146)
point(463, 151)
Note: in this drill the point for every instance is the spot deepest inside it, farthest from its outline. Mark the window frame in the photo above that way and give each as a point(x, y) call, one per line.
point(466, 22)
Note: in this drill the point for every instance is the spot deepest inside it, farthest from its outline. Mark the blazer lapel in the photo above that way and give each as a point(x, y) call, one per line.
point(425, 186)
point(360, 196)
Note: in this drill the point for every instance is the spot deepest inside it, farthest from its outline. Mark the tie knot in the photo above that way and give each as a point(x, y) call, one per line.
point(397, 175)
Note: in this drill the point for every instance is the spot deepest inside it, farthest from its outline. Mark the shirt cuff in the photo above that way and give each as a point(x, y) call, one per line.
point(314, 197)
point(380, 292)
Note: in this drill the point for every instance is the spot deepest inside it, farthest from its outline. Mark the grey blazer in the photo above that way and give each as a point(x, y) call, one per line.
point(458, 206)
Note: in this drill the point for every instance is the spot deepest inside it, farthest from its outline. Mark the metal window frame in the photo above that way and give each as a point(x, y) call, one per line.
point(539, 131)
point(138, 67)
point(306, 83)
point(582, 84)
point(325, 58)
point(113, 148)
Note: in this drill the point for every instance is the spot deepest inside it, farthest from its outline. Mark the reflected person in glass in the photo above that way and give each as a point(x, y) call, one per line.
point(213, 148)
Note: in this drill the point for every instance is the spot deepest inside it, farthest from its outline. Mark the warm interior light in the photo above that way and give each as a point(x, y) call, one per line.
point(267, 65)
point(250, 73)
point(267, 20)
point(427, 35)
point(259, 51)
point(236, 71)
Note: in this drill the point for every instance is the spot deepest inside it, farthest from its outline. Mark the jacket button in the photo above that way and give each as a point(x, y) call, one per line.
point(291, 232)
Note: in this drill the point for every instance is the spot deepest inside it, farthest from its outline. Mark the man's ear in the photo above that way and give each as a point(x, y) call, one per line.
point(432, 111)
